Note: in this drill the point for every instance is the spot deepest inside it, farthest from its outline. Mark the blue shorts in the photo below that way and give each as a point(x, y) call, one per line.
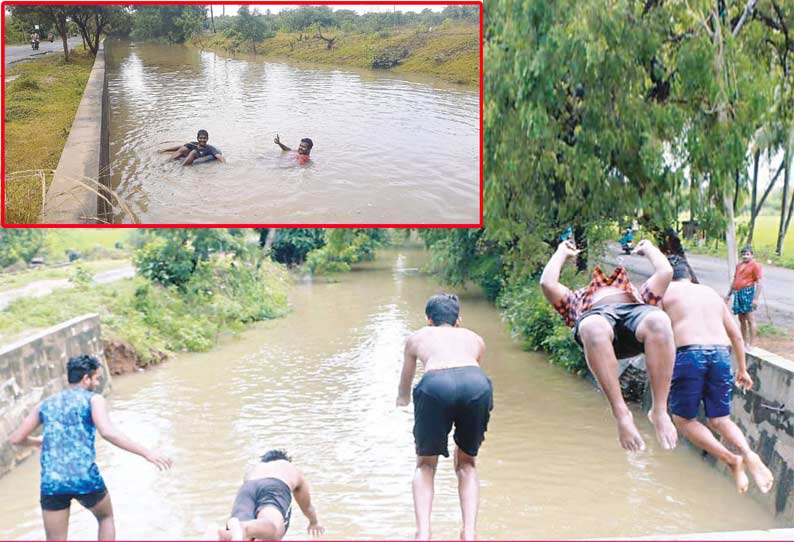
point(743, 300)
point(701, 372)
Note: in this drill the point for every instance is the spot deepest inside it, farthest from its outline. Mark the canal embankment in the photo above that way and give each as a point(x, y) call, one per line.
point(450, 51)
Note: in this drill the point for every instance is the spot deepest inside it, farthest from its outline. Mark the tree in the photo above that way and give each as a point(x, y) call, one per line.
point(95, 21)
point(173, 22)
point(46, 16)
point(250, 26)
point(20, 245)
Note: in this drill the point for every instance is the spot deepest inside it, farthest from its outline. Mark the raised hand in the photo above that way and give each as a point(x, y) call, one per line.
point(568, 248)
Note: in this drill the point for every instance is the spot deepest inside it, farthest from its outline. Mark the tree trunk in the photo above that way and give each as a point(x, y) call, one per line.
point(753, 207)
point(781, 234)
point(271, 236)
point(253, 44)
point(788, 219)
point(212, 19)
point(64, 36)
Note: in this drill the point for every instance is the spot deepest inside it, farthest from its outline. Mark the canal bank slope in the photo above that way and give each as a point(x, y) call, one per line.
point(449, 51)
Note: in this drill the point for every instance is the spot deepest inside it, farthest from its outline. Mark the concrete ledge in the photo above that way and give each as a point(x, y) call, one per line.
point(35, 368)
point(771, 534)
point(84, 158)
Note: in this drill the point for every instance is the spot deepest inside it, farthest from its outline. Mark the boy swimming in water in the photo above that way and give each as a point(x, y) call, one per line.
point(263, 505)
point(304, 149)
point(195, 150)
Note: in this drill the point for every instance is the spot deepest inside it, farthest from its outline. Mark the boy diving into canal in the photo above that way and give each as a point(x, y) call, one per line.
point(196, 150)
point(612, 319)
point(70, 420)
point(263, 505)
point(703, 329)
point(304, 149)
point(453, 390)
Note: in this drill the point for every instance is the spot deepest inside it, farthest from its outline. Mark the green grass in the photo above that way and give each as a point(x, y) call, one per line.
point(83, 241)
point(23, 278)
point(450, 52)
point(154, 319)
point(771, 330)
point(40, 108)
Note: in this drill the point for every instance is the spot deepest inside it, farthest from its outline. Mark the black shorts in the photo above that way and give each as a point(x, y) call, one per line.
point(201, 152)
point(62, 502)
point(254, 495)
point(462, 396)
point(624, 319)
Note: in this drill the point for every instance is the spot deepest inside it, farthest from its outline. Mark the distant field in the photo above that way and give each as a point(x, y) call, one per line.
point(765, 235)
point(83, 240)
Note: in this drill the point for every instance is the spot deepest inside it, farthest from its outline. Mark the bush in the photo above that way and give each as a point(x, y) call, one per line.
point(535, 322)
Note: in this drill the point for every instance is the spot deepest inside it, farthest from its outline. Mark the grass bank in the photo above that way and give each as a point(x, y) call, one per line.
point(40, 107)
point(153, 319)
point(450, 51)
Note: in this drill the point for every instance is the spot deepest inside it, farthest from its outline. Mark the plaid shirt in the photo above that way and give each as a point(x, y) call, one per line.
point(575, 304)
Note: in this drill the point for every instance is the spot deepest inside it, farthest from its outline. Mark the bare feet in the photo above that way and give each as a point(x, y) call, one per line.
point(235, 528)
point(739, 475)
point(628, 435)
point(464, 536)
point(665, 430)
point(760, 473)
point(224, 534)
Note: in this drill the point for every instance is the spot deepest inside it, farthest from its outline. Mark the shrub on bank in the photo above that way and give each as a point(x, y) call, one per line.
point(221, 295)
point(535, 322)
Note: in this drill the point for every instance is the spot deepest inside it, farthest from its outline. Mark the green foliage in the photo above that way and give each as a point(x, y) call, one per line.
point(538, 325)
point(249, 26)
point(20, 245)
point(171, 256)
point(82, 278)
point(344, 247)
point(174, 23)
point(291, 245)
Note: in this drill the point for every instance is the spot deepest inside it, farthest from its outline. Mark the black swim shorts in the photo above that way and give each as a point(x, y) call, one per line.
point(254, 495)
point(462, 396)
point(624, 318)
point(62, 502)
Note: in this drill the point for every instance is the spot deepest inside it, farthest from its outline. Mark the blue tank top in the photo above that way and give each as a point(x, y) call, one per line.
point(67, 450)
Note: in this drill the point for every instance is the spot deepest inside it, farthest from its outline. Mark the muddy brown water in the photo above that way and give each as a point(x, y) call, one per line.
point(321, 383)
point(388, 149)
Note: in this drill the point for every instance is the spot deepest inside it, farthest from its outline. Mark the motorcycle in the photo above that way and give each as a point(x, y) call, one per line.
point(627, 242)
point(34, 45)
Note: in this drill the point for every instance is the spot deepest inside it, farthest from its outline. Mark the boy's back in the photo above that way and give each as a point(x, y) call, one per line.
point(697, 313)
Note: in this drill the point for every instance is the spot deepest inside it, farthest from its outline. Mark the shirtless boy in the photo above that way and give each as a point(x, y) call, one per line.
point(612, 319)
point(453, 390)
point(704, 328)
point(263, 505)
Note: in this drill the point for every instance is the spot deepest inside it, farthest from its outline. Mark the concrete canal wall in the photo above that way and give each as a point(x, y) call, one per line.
point(72, 196)
point(34, 368)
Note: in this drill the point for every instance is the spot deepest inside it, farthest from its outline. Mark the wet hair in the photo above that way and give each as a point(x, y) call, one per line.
point(308, 142)
point(747, 249)
point(275, 455)
point(203, 133)
point(79, 366)
point(443, 309)
point(680, 267)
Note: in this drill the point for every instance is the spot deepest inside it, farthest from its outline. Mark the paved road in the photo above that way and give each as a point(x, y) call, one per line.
point(17, 53)
point(41, 288)
point(777, 295)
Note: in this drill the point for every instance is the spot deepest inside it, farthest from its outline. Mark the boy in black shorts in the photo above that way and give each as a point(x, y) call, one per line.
point(196, 150)
point(453, 391)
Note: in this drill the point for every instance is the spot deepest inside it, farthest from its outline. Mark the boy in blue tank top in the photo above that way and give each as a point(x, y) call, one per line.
point(69, 421)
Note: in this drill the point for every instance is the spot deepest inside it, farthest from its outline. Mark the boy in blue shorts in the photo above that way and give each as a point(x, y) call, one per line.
point(704, 332)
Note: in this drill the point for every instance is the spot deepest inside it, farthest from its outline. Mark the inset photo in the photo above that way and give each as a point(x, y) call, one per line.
point(269, 114)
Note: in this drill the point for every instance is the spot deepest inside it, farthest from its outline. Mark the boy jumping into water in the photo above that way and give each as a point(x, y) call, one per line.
point(453, 390)
point(703, 329)
point(263, 505)
point(68, 471)
point(746, 289)
point(611, 319)
point(196, 149)
point(304, 149)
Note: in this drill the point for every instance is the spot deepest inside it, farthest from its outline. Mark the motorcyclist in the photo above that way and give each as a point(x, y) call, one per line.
point(627, 241)
point(34, 40)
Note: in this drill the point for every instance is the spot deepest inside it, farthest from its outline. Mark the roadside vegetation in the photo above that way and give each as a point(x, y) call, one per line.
point(192, 286)
point(41, 103)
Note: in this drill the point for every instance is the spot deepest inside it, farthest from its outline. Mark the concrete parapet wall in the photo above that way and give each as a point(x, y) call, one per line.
point(84, 158)
point(766, 416)
point(35, 368)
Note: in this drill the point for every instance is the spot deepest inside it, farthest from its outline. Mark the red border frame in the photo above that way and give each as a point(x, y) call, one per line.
point(260, 2)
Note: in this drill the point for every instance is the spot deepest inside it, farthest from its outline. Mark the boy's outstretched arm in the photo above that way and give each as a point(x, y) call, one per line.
point(407, 375)
point(655, 287)
point(278, 142)
point(550, 279)
point(21, 436)
point(743, 379)
point(304, 499)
